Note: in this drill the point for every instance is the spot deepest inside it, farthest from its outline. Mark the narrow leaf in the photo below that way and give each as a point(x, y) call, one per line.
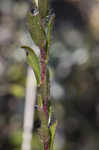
point(49, 113)
point(50, 24)
point(43, 131)
point(40, 101)
point(33, 61)
point(52, 132)
point(48, 81)
point(43, 7)
point(36, 28)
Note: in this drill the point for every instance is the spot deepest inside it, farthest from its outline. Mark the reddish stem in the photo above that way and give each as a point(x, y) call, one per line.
point(42, 73)
point(43, 76)
point(45, 146)
point(43, 58)
point(43, 54)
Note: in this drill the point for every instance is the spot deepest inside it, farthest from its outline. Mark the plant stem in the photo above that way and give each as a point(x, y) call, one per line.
point(46, 146)
point(40, 23)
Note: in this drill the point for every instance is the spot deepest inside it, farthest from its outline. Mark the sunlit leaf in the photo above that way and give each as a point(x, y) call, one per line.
point(33, 61)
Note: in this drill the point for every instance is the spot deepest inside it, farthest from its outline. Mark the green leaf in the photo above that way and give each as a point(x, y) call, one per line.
point(50, 24)
point(43, 131)
point(49, 112)
point(40, 101)
point(33, 61)
point(48, 81)
point(52, 132)
point(36, 29)
point(43, 8)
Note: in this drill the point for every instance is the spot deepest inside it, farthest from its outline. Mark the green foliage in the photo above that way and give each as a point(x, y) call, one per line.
point(43, 131)
point(40, 102)
point(52, 132)
point(36, 29)
point(36, 143)
point(40, 26)
point(49, 25)
point(49, 112)
point(33, 61)
point(43, 8)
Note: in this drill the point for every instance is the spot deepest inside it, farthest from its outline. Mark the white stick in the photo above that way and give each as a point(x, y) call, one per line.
point(29, 110)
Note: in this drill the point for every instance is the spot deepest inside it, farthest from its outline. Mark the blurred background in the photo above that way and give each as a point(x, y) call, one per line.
point(74, 67)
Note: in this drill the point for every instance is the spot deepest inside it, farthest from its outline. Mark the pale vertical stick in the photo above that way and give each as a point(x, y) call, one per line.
point(29, 110)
